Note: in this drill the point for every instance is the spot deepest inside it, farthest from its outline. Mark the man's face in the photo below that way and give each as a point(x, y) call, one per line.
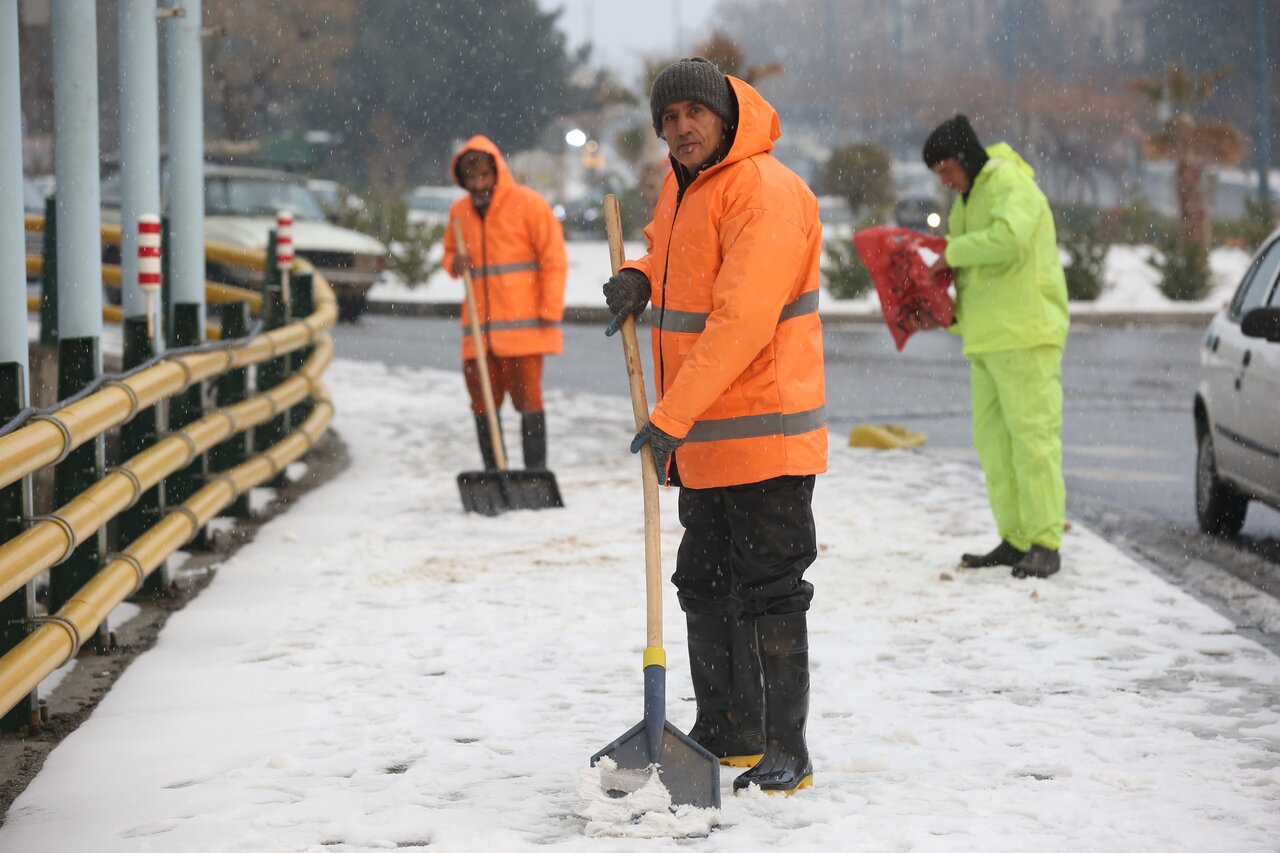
point(952, 175)
point(479, 179)
point(693, 133)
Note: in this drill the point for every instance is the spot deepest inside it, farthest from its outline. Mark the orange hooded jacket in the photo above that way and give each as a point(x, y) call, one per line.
point(518, 264)
point(733, 268)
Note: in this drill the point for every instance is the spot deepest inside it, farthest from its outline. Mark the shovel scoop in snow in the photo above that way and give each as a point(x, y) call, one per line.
point(690, 774)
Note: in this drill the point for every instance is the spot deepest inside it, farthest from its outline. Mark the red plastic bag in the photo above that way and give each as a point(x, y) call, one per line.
point(902, 277)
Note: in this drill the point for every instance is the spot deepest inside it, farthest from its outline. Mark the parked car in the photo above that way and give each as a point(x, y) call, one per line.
point(334, 198)
point(430, 205)
point(1237, 406)
point(240, 209)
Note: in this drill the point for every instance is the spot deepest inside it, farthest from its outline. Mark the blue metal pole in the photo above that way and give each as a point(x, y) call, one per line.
point(185, 110)
point(140, 194)
point(75, 105)
point(139, 138)
point(13, 252)
point(79, 254)
point(15, 499)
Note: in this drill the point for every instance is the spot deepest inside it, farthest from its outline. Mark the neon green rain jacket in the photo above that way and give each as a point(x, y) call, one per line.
point(1011, 291)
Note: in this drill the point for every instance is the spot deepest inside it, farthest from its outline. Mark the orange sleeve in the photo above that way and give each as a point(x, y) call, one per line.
point(642, 263)
point(450, 249)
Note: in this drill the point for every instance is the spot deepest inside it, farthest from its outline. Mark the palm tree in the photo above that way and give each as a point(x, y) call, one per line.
point(1190, 141)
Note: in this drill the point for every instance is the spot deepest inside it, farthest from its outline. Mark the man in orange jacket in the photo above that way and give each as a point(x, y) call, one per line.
point(739, 424)
point(515, 251)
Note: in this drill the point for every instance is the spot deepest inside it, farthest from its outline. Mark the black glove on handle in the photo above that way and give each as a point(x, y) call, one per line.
point(625, 293)
point(663, 445)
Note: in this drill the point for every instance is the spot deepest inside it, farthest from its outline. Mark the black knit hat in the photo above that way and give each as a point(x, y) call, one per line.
point(696, 79)
point(955, 138)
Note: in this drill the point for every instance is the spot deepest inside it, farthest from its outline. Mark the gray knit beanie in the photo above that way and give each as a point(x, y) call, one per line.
point(695, 79)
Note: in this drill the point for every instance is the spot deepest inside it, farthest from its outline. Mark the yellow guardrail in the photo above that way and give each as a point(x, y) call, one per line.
point(50, 436)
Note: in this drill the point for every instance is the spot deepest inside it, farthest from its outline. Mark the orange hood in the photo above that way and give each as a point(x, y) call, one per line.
point(485, 144)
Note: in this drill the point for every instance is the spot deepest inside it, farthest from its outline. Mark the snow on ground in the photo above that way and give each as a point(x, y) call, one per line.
point(379, 670)
point(1131, 283)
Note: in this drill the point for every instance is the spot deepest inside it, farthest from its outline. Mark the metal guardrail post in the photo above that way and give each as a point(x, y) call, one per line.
point(137, 435)
point(49, 276)
point(275, 313)
point(233, 386)
point(79, 361)
point(301, 304)
point(185, 408)
point(17, 610)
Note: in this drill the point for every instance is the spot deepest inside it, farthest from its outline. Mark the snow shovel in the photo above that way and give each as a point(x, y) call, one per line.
point(690, 774)
point(494, 492)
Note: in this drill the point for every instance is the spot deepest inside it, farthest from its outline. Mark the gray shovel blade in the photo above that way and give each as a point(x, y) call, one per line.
point(690, 774)
point(482, 492)
point(531, 488)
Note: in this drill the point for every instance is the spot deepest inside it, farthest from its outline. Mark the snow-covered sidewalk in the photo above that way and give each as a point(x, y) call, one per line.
point(378, 670)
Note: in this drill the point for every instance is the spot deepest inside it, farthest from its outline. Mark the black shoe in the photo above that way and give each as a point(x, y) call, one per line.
point(1040, 562)
point(784, 652)
point(1003, 554)
point(724, 664)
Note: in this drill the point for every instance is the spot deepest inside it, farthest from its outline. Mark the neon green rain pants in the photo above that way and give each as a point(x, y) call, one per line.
point(1017, 431)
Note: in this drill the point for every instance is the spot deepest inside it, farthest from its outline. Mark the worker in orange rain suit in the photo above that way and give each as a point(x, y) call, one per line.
point(732, 272)
point(515, 251)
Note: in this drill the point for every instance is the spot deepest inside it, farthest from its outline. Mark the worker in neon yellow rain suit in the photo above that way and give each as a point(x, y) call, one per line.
point(1011, 310)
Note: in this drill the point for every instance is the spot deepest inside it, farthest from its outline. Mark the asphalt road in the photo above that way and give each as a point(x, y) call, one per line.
point(1129, 445)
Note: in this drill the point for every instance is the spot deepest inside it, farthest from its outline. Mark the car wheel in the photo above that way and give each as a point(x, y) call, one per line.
point(1220, 509)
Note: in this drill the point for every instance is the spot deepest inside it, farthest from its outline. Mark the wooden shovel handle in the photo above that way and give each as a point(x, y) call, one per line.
point(482, 361)
point(640, 408)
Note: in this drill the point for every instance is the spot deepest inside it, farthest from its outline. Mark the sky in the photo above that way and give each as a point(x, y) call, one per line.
point(393, 673)
point(623, 30)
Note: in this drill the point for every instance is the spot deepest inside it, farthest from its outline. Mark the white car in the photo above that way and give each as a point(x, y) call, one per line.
point(1237, 406)
point(430, 205)
point(240, 209)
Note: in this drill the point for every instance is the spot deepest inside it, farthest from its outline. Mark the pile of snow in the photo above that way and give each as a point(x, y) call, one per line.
point(377, 670)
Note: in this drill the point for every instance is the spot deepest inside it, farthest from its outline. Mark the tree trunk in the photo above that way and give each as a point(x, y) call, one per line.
point(1191, 202)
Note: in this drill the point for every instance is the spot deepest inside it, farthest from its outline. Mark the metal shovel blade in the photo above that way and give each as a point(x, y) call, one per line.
point(531, 488)
point(690, 774)
point(482, 492)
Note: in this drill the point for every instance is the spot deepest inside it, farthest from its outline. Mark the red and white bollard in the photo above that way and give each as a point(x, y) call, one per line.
point(149, 264)
point(284, 251)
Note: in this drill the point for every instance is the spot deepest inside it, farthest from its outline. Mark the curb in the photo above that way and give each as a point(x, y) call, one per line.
point(583, 314)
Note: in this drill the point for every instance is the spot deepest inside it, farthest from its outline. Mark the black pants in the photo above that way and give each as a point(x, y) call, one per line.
point(745, 548)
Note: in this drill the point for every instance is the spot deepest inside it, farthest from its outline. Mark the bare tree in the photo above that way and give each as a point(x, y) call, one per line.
point(1189, 140)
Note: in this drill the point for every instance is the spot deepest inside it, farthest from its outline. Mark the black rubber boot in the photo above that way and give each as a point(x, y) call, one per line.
point(1040, 562)
point(533, 431)
point(724, 663)
point(784, 653)
point(486, 443)
point(1003, 554)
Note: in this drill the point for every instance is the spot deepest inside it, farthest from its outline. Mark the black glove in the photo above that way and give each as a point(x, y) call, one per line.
point(663, 446)
point(625, 293)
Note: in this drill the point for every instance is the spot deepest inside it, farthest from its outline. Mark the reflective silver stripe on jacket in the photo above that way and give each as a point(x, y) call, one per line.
point(758, 426)
point(511, 325)
point(503, 269)
point(694, 322)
